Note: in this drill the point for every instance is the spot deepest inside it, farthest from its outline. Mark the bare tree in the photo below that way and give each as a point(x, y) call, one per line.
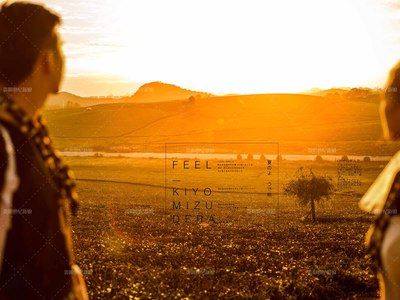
point(309, 188)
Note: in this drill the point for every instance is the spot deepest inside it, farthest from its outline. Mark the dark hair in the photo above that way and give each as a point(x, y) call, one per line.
point(392, 88)
point(25, 30)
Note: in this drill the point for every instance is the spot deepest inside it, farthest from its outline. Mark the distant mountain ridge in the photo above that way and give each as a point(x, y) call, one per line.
point(68, 100)
point(159, 92)
point(359, 93)
point(148, 93)
point(155, 92)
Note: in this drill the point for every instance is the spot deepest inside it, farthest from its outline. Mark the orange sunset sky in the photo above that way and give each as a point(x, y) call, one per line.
point(227, 46)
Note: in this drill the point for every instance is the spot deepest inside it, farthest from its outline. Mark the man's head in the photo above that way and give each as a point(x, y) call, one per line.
point(390, 105)
point(30, 47)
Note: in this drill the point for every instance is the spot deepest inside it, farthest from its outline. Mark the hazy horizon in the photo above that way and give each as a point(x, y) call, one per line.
point(133, 91)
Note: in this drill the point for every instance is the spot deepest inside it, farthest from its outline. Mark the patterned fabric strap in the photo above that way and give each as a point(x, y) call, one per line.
point(39, 133)
point(377, 230)
point(11, 183)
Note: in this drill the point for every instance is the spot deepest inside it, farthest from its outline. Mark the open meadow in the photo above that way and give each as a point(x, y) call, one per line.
point(127, 246)
point(220, 149)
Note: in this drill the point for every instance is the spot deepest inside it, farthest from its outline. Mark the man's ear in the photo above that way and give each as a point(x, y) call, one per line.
point(45, 62)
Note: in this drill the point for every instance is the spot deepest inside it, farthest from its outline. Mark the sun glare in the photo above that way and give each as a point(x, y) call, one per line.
point(235, 46)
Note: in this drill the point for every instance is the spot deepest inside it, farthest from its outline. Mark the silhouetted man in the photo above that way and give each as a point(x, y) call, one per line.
point(37, 189)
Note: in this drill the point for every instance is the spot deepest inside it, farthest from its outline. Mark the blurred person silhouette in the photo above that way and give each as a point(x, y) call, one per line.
point(383, 198)
point(37, 188)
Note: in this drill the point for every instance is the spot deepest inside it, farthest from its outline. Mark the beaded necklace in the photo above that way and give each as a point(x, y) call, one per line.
point(377, 230)
point(63, 176)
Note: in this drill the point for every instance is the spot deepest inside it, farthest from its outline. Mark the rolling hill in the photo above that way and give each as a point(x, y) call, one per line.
point(149, 92)
point(68, 100)
point(160, 92)
point(286, 118)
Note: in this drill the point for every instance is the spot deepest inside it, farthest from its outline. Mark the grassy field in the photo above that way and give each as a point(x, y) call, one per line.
point(128, 247)
point(296, 121)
